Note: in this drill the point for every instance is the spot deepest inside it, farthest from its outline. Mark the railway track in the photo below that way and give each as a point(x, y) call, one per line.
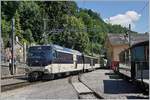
point(20, 84)
point(83, 91)
point(8, 87)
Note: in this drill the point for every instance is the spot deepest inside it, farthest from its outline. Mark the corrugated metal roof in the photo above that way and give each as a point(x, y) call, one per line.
point(117, 39)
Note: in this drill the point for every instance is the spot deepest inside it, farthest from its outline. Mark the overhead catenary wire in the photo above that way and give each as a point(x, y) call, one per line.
point(142, 9)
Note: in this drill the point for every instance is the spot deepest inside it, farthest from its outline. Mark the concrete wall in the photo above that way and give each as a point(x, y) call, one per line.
point(109, 51)
point(113, 51)
point(116, 51)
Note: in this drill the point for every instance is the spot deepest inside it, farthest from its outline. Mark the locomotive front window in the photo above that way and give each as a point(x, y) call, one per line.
point(36, 54)
point(39, 56)
point(39, 52)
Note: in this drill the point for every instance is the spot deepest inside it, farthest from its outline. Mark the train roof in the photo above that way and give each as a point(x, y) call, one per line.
point(144, 43)
point(62, 49)
point(66, 50)
point(58, 48)
point(141, 44)
point(43, 47)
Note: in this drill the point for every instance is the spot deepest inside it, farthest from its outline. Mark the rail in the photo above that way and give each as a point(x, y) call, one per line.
point(17, 85)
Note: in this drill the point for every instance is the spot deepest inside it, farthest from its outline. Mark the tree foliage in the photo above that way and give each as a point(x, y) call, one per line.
point(83, 29)
point(18, 30)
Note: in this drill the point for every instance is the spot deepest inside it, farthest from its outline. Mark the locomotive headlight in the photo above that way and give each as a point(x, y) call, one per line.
point(47, 69)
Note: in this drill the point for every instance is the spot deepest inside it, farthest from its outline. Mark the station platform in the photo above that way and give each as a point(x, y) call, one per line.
point(5, 73)
point(111, 86)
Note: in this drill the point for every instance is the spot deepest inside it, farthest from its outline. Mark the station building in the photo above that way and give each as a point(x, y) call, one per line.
point(117, 42)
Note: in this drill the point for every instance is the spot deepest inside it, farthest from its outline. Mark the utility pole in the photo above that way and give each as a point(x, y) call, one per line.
point(93, 38)
point(45, 37)
point(12, 47)
point(129, 34)
point(24, 52)
point(92, 45)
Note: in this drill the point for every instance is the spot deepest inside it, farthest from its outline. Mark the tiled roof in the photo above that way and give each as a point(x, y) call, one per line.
point(119, 39)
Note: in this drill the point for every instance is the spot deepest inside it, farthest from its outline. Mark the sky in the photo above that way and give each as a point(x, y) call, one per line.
point(123, 12)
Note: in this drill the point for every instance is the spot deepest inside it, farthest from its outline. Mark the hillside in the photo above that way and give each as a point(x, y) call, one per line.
point(83, 29)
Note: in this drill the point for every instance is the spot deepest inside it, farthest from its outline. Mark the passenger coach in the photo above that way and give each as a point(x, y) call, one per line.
point(43, 61)
point(134, 62)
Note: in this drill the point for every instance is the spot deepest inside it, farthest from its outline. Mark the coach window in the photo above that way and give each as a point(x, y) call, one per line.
point(139, 53)
point(146, 62)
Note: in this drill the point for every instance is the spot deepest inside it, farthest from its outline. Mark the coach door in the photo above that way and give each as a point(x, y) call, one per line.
point(75, 60)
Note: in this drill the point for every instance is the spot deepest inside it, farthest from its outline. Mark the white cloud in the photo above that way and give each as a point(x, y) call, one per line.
point(130, 17)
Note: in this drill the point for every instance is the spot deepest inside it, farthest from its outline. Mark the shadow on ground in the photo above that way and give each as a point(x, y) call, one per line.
point(119, 86)
point(137, 97)
point(113, 75)
point(22, 77)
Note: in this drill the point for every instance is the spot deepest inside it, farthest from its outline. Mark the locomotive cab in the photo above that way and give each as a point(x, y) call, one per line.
point(38, 60)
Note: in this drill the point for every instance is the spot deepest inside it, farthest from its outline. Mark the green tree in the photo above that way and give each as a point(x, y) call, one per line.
point(73, 37)
point(28, 36)
point(90, 28)
point(31, 18)
point(9, 8)
point(6, 30)
point(18, 30)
